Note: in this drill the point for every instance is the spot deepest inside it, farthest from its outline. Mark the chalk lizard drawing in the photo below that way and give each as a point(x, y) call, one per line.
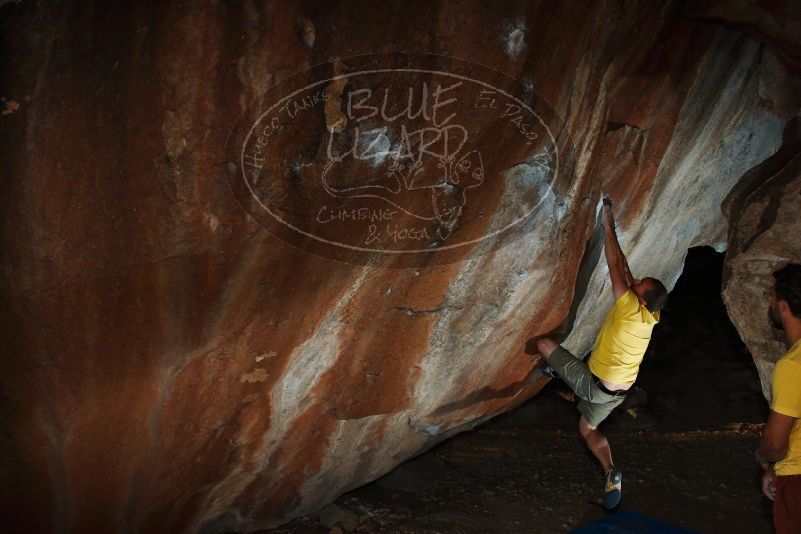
point(406, 173)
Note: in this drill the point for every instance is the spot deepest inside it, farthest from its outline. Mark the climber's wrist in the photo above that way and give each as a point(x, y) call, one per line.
point(765, 463)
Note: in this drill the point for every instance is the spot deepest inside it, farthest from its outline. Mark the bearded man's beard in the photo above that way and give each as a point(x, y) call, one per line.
point(775, 318)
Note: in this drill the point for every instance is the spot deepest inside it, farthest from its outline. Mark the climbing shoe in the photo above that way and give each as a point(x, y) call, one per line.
point(614, 483)
point(548, 371)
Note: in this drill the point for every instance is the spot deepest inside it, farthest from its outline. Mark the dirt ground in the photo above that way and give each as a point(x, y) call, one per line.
point(684, 442)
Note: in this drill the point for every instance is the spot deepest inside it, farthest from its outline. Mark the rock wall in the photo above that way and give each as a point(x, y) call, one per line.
point(765, 210)
point(169, 365)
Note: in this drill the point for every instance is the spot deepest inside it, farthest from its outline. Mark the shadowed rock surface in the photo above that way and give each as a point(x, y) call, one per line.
point(765, 210)
point(171, 366)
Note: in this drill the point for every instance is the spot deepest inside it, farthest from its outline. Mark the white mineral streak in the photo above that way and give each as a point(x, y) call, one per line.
point(683, 209)
point(354, 455)
point(462, 342)
point(291, 397)
point(466, 342)
point(515, 42)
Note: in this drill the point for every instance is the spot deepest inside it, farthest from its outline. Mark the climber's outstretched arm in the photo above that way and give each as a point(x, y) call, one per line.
point(619, 270)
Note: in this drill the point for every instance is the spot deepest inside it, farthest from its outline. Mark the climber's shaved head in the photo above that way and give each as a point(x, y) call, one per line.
point(652, 292)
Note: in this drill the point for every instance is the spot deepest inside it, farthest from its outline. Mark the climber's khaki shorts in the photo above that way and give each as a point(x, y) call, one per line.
point(595, 404)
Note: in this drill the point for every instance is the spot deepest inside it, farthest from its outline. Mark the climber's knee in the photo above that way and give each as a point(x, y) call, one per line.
point(546, 346)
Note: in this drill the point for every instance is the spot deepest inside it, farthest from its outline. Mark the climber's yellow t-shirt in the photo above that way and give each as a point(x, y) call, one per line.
point(623, 340)
point(787, 401)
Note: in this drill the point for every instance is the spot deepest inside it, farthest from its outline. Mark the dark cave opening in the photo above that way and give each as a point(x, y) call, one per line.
point(697, 370)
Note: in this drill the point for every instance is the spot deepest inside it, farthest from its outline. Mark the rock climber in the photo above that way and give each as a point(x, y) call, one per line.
point(779, 449)
point(602, 383)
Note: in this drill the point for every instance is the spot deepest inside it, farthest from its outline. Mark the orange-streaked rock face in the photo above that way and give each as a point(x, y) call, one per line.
point(169, 365)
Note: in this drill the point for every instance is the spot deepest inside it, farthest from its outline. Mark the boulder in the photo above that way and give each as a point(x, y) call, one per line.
point(176, 358)
point(764, 235)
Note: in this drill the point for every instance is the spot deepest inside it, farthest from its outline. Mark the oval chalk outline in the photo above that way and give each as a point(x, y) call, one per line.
point(418, 71)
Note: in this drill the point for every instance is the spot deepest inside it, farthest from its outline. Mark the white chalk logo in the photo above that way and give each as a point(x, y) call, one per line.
point(411, 160)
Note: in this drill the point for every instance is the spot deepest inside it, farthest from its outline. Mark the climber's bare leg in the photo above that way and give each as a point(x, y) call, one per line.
point(597, 443)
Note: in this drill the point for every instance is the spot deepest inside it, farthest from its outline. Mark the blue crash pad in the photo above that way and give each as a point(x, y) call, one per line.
point(629, 522)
